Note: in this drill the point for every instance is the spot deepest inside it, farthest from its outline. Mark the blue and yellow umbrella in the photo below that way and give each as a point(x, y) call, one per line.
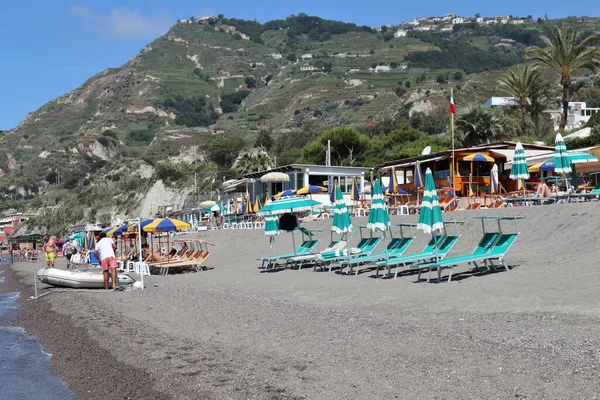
point(166, 225)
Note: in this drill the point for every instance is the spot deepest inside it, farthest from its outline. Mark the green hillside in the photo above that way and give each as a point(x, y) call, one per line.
point(231, 78)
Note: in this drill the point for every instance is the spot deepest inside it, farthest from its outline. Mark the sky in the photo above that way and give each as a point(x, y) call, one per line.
point(48, 48)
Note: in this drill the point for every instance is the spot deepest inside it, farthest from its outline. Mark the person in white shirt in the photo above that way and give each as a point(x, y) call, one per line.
point(105, 252)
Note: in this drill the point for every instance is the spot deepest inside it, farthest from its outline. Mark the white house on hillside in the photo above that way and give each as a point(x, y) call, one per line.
point(400, 33)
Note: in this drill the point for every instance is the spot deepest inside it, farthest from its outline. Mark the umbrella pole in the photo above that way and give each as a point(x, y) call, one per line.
point(294, 243)
point(386, 252)
point(436, 246)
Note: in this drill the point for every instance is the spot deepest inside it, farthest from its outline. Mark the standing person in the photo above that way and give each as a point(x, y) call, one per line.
point(105, 252)
point(68, 251)
point(49, 250)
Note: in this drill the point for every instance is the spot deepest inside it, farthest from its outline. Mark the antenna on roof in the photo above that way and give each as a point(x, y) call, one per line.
point(426, 151)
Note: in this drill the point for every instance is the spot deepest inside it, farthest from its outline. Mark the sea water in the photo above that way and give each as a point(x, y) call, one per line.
point(24, 366)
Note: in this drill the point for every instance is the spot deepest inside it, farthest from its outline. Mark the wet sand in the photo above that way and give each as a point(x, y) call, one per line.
point(238, 332)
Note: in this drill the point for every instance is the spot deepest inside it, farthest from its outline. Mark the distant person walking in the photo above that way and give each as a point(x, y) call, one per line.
point(49, 249)
point(105, 252)
point(68, 251)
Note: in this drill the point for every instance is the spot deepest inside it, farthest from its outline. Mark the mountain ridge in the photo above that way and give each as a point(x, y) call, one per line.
point(232, 81)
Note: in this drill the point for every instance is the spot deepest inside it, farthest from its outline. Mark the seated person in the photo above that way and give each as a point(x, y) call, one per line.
point(543, 190)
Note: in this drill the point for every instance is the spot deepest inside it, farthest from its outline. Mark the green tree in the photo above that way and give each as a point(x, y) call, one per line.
point(250, 82)
point(440, 79)
point(478, 126)
point(407, 84)
point(525, 84)
point(347, 146)
point(224, 151)
point(247, 163)
point(264, 139)
point(400, 91)
point(565, 53)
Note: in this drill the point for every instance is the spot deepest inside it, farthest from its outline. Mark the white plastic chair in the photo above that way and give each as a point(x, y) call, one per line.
point(225, 225)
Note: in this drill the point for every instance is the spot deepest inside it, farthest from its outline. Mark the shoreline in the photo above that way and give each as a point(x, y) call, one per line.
point(77, 358)
point(236, 331)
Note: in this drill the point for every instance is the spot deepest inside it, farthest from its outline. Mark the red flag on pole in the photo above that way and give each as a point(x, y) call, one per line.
point(452, 106)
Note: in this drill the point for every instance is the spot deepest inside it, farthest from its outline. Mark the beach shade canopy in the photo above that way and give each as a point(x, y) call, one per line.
point(478, 157)
point(133, 228)
point(430, 216)
point(116, 231)
point(310, 189)
point(342, 223)
point(289, 204)
point(574, 157)
point(285, 193)
point(272, 225)
point(354, 194)
point(275, 177)
point(379, 218)
point(167, 225)
point(206, 204)
point(562, 165)
point(494, 186)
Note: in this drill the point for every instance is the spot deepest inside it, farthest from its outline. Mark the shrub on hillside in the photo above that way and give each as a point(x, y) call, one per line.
point(231, 101)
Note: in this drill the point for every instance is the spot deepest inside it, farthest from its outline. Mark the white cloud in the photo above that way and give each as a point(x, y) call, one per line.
point(123, 23)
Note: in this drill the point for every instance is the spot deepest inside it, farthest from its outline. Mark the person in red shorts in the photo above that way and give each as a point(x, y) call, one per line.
point(105, 252)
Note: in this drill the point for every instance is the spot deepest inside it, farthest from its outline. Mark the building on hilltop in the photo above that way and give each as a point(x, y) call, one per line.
point(400, 33)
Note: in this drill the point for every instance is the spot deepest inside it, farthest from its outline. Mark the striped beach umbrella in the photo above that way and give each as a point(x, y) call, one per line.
point(289, 205)
point(393, 186)
point(341, 218)
point(133, 228)
point(494, 186)
point(518, 170)
point(257, 204)
point(166, 225)
point(310, 189)
point(562, 165)
point(430, 216)
point(354, 194)
point(379, 219)
point(272, 225)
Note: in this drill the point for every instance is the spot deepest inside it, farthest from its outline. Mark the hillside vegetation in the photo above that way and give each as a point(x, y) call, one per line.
point(193, 99)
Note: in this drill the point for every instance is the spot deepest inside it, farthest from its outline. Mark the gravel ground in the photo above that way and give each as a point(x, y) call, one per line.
point(238, 332)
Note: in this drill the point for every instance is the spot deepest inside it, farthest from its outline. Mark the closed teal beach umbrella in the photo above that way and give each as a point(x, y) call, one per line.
point(562, 164)
point(341, 218)
point(379, 219)
point(518, 170)
point(430, 217)
point(272, 225)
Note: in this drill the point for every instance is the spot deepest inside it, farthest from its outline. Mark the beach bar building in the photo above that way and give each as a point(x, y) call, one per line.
point(477, 172)
point(302, 175)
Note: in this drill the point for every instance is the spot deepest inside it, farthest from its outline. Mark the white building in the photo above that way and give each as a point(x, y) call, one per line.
point(382, 68)
point(306, 56)
point(479, 20)
point(458, 20)
point(308, 68)
point(302, 175)
point(400, 33)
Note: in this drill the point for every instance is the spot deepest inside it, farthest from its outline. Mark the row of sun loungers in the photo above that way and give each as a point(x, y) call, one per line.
point(492, 248)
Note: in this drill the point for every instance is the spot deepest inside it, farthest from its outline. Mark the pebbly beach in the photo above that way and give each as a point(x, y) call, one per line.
point(235, 331)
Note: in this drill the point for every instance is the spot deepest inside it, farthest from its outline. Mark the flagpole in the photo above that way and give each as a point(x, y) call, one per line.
point(452, 166)
point(452, 111)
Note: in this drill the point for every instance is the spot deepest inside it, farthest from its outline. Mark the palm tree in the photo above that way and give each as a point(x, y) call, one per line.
point(565, 53)
point(478, 126)
point(525, 84)
point(247, 163)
